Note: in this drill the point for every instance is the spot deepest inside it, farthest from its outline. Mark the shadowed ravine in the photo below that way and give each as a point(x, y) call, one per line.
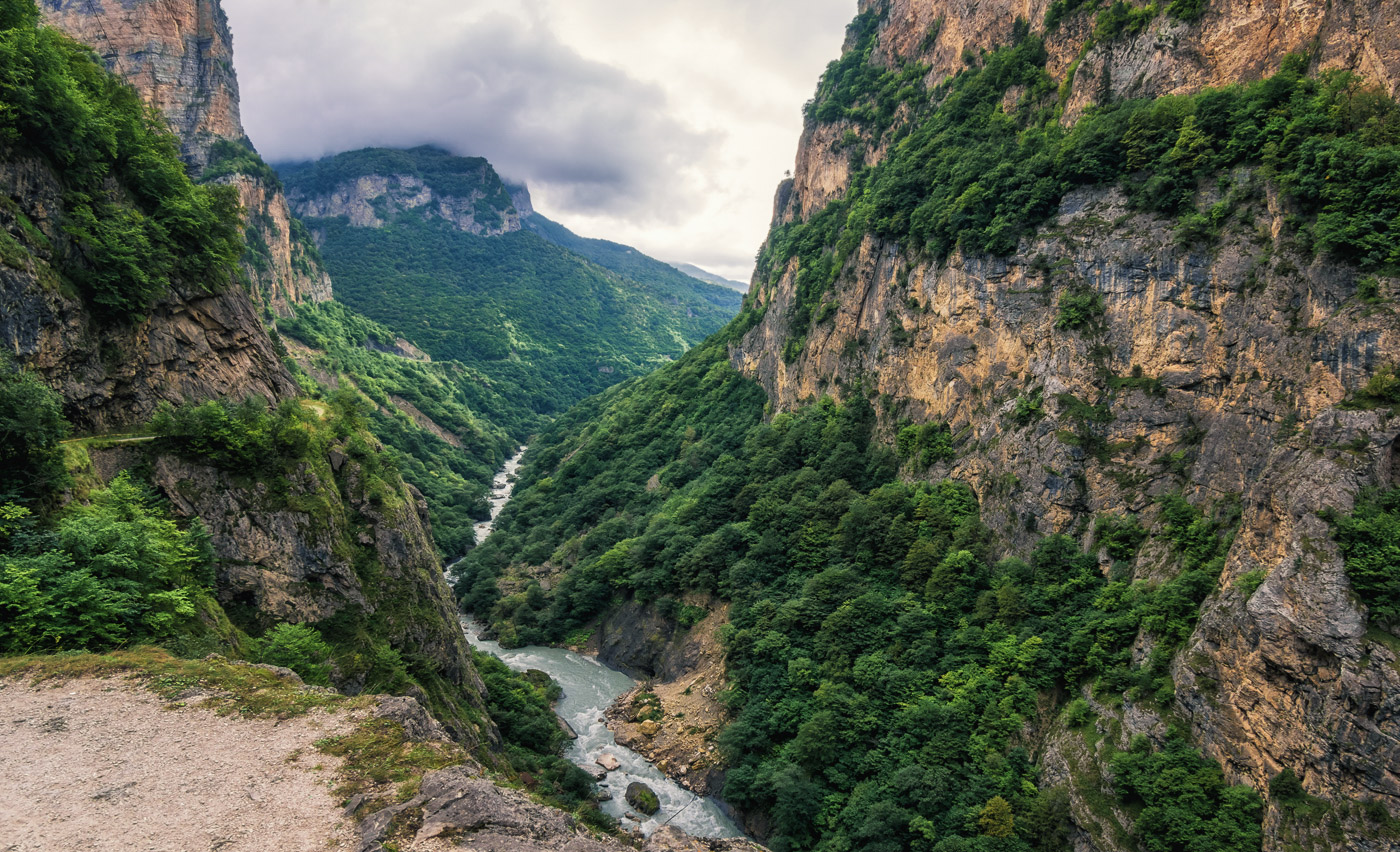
point(589, 688)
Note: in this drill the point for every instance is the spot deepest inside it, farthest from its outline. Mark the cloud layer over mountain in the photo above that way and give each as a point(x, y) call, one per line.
point(662, 124)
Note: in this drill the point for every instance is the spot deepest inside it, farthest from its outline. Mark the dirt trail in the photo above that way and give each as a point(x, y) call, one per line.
point(98, 765)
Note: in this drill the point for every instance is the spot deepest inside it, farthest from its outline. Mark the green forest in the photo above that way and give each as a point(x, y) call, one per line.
point(486, 424)
point(886, 661)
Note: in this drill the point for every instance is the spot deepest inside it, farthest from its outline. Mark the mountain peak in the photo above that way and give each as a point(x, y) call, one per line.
point(371, 186)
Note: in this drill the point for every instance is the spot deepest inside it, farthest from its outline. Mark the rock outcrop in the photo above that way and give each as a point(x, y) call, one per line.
point(674, 719)
point(369, 188)
point(190, 346)
point(322, 549)
point(179, 56)
point(1222, 369)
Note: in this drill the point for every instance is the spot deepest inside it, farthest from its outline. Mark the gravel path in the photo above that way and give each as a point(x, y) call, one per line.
point(100, 766)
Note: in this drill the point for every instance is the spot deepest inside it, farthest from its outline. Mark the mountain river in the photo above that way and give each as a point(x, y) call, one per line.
point(589, 688)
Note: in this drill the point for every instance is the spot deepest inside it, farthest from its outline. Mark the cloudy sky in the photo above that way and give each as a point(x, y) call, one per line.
point(664, 124)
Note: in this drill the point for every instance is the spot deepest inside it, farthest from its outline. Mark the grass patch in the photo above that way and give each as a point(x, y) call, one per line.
point(234, 687)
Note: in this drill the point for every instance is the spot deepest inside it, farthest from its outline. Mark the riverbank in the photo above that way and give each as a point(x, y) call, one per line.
point(590, 688)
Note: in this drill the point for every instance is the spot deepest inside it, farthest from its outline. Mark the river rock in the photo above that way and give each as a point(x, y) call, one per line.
point(643, 798)
point(566, 727)
point(608, 762)
point(597, 773)
point(650, 728)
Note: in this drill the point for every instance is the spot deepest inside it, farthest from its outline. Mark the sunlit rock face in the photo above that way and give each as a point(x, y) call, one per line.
point(179, 56)
point(1222, 368)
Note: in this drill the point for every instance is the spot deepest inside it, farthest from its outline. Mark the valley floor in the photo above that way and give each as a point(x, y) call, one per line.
point(98, 765)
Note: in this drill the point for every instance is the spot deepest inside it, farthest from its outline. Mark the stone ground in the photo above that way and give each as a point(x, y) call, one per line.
point(100, 765)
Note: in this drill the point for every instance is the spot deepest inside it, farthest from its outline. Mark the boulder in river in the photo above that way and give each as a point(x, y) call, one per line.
point(643, 798)
point(608, 762)
point(597, 773)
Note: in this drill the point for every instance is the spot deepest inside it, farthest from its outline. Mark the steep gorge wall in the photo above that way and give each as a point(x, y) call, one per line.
point(189, 347)
point(179, 56)
point(1244, 352)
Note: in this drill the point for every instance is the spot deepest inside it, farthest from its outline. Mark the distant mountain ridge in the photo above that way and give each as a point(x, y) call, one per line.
point(711, 278)
point(436, 247)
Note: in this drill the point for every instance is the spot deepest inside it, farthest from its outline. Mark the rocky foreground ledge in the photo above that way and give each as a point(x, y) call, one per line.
point(142, 750)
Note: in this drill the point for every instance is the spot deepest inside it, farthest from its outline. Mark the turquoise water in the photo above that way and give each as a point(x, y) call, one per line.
point(589, 688)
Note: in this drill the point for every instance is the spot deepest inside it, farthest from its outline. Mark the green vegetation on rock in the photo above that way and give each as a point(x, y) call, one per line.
point(471, 425)
point(136, 223)
point(886, 660)
point(1370, 542)
point(965, 173)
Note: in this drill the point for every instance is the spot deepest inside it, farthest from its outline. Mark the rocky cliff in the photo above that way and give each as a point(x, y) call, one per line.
point(1216, 370)
point(373, 186)
point(179, 56)
point(189, 346)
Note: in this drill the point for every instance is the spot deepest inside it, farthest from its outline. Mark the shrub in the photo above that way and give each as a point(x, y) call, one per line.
point(1370, 543)
point(1079, 309)
point(299, 648)
point(112, 572)
point(31, 427)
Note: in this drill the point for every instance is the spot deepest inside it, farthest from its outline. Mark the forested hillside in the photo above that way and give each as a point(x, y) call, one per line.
point(430, 245)
point(218, 511)
point(429, 248)
point(1045, 475)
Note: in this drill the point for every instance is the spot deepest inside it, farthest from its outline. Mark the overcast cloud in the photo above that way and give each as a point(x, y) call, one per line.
point(664, 124)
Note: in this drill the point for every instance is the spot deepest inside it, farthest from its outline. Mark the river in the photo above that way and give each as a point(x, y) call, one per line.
point(590, 688)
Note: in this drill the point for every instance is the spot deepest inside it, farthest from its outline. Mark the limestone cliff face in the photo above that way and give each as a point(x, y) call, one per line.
point(179, 56)
point(1252, 346)
point(190, 346)
point(471, 196)
point(1236, 40)
point(177, 53)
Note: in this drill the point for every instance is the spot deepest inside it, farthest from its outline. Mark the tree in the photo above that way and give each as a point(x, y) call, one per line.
point(996, 819)
point(299, 648)
point(31, 426)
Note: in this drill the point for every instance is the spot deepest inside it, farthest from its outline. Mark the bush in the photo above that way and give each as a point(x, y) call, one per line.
point(112, 572)
point(1370, 543)
point(136, 222)
point(1079, 310)
point(299, 648)
point(31, 427)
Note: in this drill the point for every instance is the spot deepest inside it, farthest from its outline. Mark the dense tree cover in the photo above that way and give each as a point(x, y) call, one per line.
point(544, 327)
point(136, 223)
point(488, 425)
point(228, 157)
point(1370, 543)
point(888, 667)
point(966, 174)
point(634, 266)
point(110, 572)
point(248, 438)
